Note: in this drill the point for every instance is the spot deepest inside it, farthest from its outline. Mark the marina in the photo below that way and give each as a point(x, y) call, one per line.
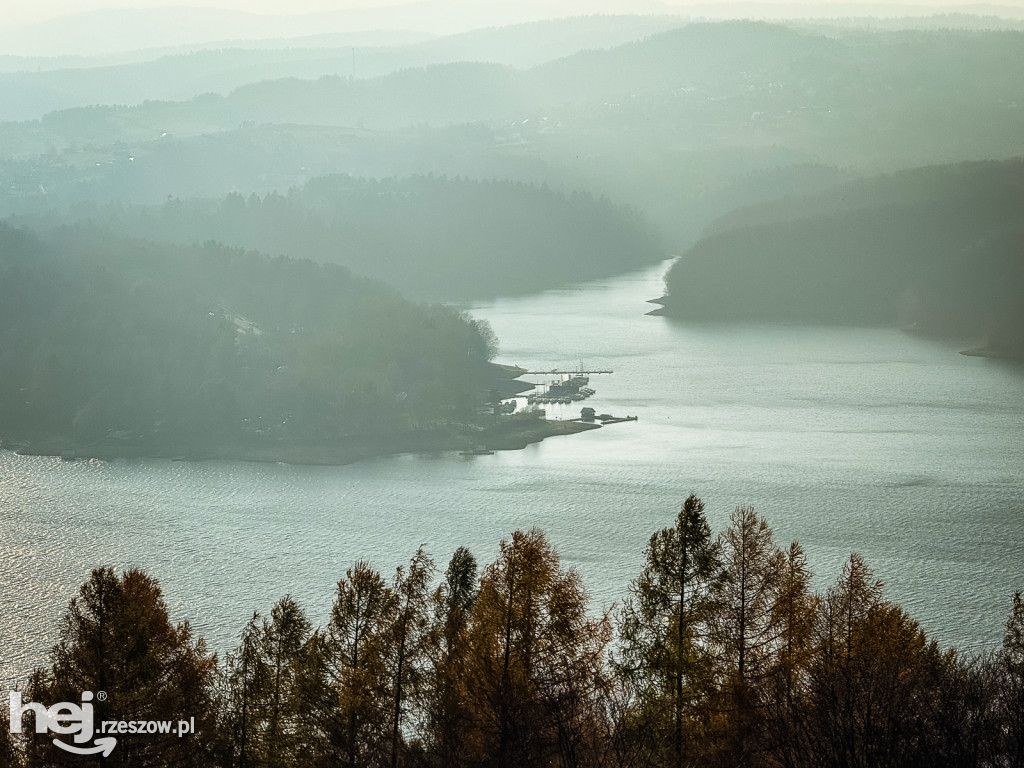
point(571, 387)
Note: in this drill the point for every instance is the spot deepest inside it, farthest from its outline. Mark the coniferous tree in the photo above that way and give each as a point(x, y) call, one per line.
point(572, 675)
point(318, 697)
point(535, 663)
point(408, 644)
point(282, 643)
point(962, 713)
point(664, 628)
point(748, 629)
point(869, 679)
point(246, 681)
point(1012, 662)
point(10, 757)
point(511, 670)
point(794, 612)
point(351, 693)
point(447, 708)
point(117, 638)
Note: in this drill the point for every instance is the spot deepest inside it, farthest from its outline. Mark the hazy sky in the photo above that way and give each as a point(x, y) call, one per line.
point(19, 12)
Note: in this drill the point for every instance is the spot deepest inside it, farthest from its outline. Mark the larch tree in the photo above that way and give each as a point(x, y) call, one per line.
point(963, 711)
point(1012, 663)
point(10, 755)
point(747, 629)
point(535, 661)
point(447, 705)
point(665, 636)
point(116, 637)
point(794, 612)
point(408, 644)
point(868, 680)
point(245, 683)
point(1013, 639)
point(345, 680)
point(282, 642)
point(572, 675)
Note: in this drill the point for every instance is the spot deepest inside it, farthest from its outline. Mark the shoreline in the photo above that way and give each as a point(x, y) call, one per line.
point(509, 436)
point(993, 353)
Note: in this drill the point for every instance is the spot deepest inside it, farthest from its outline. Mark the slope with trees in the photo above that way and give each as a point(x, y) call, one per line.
point(939, 250)
point(123, 346)
point(432, 238)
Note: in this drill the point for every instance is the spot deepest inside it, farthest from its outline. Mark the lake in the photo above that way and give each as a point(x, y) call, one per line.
point(845, 439)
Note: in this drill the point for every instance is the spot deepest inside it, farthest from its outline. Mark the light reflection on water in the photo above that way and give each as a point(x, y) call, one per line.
point(864, 440)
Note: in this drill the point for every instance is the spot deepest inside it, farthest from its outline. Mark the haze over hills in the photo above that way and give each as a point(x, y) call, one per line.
point(764, 81)
point(517, 138)
point(109, 341)
point(939, 250)
point(116, 30)
point(121, 29)
point(683, 125)
point(432, 238)
point(372, 39)
point(27, 94)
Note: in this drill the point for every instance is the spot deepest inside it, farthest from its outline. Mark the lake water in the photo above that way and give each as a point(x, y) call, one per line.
point(866, 440)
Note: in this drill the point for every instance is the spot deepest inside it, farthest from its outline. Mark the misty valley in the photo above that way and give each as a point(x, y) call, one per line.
point(277, 314)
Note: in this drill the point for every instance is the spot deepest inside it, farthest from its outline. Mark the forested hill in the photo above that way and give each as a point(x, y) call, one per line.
point(432, 238)
point(109, 340)
point(936, 249)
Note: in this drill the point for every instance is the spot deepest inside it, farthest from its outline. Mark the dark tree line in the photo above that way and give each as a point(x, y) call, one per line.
point(935, 249)
point(108, 340)
point(431, 237)
point(720, 655)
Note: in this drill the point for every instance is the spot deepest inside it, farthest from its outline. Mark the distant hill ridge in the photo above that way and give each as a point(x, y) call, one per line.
point(815, 72)
point(115, 30)
point(32, 87)
point(682, 125)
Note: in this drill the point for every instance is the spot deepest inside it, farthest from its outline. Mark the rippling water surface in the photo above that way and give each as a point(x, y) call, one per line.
point(865, 440)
